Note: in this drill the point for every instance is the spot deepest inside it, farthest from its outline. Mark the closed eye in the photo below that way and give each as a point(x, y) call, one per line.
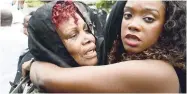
point(73, 35)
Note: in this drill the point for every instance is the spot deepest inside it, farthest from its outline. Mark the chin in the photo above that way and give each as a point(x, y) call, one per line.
point(90, 62)
point(133, 50)
point(130, 49)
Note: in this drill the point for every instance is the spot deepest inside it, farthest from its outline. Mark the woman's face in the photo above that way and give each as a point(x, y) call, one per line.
point(142, 24)
point(79, 42)
point(25, 24)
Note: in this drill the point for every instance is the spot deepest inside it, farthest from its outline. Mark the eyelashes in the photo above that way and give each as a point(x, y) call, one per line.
point(127, 16)
point(147, 19)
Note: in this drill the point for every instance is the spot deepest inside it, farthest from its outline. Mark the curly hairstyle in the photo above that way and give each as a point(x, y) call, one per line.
point(171, 45)
point(62, 10)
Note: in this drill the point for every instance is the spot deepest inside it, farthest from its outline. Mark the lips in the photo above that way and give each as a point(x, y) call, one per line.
point(90, 53)
point(132, 40)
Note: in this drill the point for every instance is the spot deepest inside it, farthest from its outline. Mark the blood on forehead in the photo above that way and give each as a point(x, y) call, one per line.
point(61, 12)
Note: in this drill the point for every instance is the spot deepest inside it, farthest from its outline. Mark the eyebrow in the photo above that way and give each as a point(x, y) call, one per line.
point(76, 27)
point(71, 28)
point(151, 9)
point(146, 9)
point(127, 8)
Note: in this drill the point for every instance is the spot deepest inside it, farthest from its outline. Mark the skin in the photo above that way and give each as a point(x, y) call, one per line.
point(79, 42)
point(25, 24)
point(131, 76)
point(77, 39)
point(144, 20)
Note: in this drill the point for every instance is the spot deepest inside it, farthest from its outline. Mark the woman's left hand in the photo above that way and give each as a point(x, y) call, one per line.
point(26, 67)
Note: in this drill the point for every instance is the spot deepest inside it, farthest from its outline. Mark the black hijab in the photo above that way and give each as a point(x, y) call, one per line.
point(44, 42)
point(112, 28)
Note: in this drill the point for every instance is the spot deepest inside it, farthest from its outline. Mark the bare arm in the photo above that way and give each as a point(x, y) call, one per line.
point(130, 76)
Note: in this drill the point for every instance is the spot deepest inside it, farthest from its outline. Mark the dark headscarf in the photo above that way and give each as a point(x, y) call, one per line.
point(44, 42)
point(112, 28)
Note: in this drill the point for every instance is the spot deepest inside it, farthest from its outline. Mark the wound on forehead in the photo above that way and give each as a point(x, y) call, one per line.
point(62, 11)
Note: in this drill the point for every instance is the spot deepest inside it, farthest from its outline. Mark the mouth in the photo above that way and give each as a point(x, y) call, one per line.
point(90, 53)
point(132, 40)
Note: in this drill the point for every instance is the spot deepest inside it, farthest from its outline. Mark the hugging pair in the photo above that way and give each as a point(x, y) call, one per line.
point(145, 39)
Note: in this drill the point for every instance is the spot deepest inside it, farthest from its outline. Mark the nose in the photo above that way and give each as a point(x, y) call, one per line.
point(135, 25)
point(88, 38)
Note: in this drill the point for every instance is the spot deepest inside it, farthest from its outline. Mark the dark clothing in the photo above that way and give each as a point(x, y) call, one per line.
point(113, 28)
point(46, 45)
point(182, 79)
point(23, 58)
point(44, 42)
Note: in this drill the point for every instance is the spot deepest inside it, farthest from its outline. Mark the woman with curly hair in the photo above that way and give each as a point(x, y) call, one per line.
point(168, 45)
point(147, 38)
point(147, 34)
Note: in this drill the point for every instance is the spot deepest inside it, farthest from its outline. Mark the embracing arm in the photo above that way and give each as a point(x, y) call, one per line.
point(129, 76)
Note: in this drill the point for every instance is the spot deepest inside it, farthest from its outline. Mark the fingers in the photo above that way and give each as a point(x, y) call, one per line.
point(23, 72)
point(26, 67)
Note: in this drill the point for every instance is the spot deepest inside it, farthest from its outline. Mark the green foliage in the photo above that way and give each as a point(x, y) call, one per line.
point(105, 4)
point(33, 3)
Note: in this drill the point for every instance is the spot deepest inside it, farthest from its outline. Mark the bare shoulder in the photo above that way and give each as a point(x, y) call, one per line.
point(151, 76)
point(153, 67)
